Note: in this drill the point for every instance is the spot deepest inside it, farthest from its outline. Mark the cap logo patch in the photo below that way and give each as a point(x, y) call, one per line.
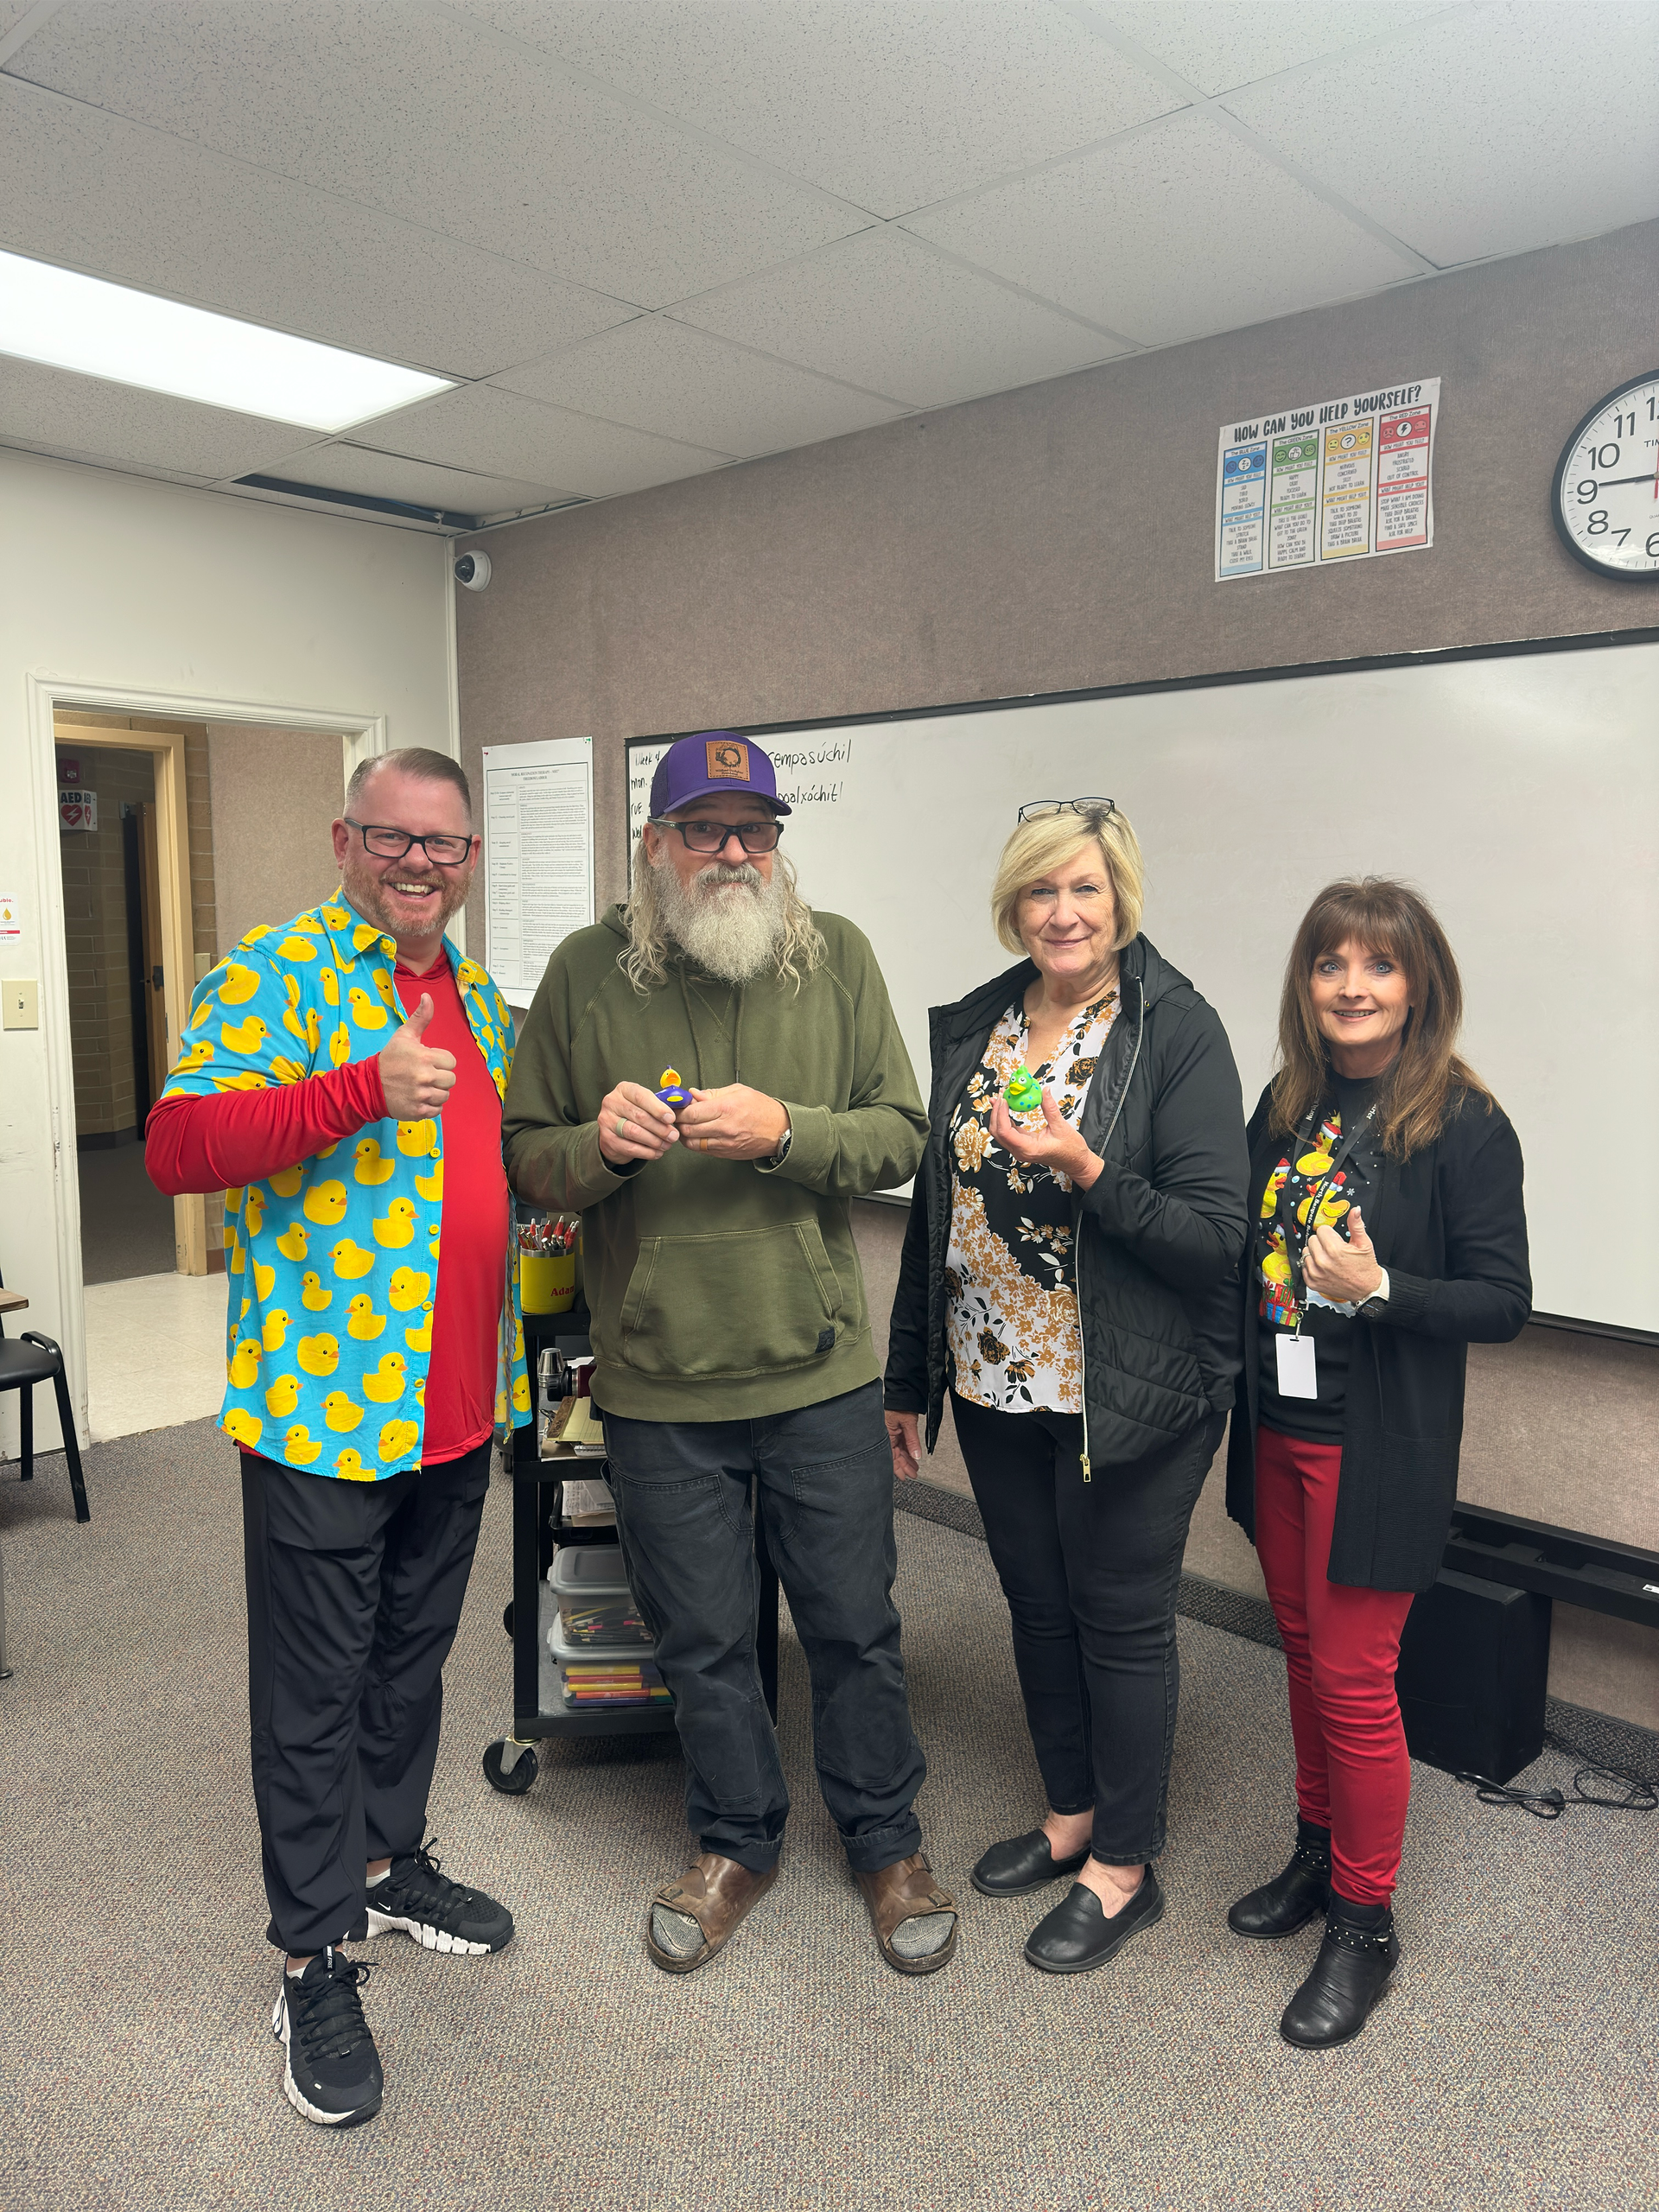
point(728, 759)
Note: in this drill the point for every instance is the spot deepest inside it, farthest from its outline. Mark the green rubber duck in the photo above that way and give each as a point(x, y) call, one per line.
point(1024, 1094)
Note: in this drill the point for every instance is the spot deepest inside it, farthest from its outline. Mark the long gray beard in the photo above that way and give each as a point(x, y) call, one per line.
point(733, 934)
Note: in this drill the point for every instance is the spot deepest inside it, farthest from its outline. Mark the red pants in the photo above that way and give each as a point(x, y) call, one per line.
point(1342, 1645)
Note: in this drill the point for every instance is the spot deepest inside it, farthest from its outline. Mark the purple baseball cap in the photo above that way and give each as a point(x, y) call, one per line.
point(713, 760)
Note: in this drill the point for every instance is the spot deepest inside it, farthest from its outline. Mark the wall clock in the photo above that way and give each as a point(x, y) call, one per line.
point(1605, 496)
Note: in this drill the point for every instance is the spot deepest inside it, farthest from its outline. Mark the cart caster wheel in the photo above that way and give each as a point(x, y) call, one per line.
point(512, 1780)
point(506, 1617)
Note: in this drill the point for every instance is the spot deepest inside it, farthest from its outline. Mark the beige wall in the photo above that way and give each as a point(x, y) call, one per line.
point(1058, 538)
point(275, 792)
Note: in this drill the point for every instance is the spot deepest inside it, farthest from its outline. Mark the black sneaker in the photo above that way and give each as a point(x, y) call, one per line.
point(333, 2069)
point(419, 1899)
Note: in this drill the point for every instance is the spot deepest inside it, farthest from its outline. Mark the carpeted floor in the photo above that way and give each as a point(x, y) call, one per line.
point(1513, 2065)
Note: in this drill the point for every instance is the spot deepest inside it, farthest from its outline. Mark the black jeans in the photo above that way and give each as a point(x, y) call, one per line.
point(354, 1594)
point(1090, 1572)
point(822, 1483)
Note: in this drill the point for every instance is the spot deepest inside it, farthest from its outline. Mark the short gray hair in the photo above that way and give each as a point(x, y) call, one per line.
point(416, 760)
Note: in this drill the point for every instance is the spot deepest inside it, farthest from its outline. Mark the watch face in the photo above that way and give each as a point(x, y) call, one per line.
point(1606, 497)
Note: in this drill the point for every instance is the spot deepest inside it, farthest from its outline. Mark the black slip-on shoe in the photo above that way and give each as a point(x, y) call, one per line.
point(1023, 1864)
point(1352, 1971)
point(1078, 1934)
point(417, 1898)
point(1301, 1893)
point(334, 2073)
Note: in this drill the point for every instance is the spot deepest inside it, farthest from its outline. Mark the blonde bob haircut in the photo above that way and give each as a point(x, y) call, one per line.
point(1039, 847)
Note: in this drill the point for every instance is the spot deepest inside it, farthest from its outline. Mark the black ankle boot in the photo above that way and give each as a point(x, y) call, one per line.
point(1291, 1898)
point(1359, 1953)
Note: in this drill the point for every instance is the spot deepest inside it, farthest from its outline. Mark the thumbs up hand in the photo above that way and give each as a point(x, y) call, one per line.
point(417, 1080)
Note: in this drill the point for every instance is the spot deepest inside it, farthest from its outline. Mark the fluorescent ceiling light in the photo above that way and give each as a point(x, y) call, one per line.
point(101, 329)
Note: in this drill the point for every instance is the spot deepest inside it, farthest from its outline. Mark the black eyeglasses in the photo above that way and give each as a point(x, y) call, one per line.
point(710, 837)
point(1040, 807)
point(392, 844)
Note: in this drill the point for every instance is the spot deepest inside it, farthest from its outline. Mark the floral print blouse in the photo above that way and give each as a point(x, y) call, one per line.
point(1010, 1274)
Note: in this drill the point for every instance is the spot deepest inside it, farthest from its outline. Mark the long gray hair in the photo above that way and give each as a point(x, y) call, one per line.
point(800, 949)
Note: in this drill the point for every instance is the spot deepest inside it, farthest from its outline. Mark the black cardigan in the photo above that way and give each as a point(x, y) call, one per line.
point(1450, 1226)
point(1159, 1233)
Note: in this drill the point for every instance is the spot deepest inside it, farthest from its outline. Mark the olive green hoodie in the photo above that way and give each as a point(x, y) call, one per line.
point(720, 1290)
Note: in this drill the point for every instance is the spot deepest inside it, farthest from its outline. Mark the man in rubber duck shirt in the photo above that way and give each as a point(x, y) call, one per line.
point(731, 1336)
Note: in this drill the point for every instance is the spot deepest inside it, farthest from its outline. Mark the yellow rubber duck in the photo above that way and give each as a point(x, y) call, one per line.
point(397, 1438)
point(243, 1036)
point(396, 1227)
point(325, 1203)
point(276, 1329)
point(350, 1260)
point(242, 1428)
point(297, 948)
point(244, 1365)
point(349, 1467)
point(282, 1396)
point(407, 1289)
point(361, 1320)
point(339, 1411)
point(264, 1280)
point(313, 1296)
point(370, 1167)
point(253, 1211)
point(293, 1243)
point(239, 984)
point(417, 1138)
point(318, 1355)
point(366, 1013)
point(339, 1045)
point(431, 1186)
point(420, 1340)
point(385, 1385)
point(287, 1180)
point(197, 1057)
point(331, 987)
point(298, 1448)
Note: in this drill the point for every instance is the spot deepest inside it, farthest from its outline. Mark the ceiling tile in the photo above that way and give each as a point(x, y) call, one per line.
point(891, 107)
point(882, 311)
point(1228, 42)
point(1181, 231)
point(88, 189)
point(345, 468)
point(499, 433)
point(116, 422)
point(1508, 129)
point(681, 383)
point(432, 119)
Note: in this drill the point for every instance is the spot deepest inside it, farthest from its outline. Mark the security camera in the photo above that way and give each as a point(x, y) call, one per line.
point(473, 571)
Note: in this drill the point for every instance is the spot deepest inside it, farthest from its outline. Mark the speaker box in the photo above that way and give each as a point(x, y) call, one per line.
point(1474, 1660)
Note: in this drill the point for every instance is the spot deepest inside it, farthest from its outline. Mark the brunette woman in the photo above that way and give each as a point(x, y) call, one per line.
point(1390, 1234)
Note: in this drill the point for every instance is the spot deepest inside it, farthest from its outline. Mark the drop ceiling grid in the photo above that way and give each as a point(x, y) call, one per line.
point(829, 213)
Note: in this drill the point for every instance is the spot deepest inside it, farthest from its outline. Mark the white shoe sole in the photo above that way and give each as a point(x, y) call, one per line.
point(428, 1938)
point(296, 2095)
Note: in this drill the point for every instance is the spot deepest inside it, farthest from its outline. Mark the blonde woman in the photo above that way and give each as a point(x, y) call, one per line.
point(1069, 1275)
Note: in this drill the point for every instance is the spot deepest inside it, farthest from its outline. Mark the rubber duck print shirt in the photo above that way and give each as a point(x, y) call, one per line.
point(333, 1264)
point(1010, 1274)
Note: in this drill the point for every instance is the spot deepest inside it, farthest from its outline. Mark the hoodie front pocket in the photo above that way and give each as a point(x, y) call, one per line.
point(745, 1302)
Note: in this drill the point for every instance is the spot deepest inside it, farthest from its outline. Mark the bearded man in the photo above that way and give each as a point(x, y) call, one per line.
point(731, 1338)
point(341, 1083)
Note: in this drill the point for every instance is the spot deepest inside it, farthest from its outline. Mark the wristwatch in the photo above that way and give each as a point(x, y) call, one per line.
point(1374, 1305)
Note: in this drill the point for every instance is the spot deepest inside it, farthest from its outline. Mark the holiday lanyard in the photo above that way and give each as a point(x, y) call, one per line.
point(1316, 1199)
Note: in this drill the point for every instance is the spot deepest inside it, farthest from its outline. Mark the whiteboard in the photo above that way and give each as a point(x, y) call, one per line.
point(1519, 792)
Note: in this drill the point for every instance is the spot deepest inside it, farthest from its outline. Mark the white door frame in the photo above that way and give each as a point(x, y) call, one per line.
point(362, 737)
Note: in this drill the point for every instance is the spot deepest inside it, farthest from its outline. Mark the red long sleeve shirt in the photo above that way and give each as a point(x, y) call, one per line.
point(244, 1136)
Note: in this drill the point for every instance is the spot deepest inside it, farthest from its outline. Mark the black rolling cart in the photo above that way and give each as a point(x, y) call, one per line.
point(538, 1709)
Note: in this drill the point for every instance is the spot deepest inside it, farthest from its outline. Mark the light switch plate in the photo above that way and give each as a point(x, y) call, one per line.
point(21, 1002)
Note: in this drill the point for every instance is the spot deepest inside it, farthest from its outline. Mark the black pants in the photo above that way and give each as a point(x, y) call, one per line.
point(354, 1594)
point(822, 1481)
point(1090, 1572)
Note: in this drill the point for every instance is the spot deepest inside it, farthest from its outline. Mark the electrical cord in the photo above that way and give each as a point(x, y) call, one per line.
point(1637, 1793)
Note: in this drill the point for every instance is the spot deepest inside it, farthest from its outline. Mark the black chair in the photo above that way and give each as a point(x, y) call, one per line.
point(25, 1361)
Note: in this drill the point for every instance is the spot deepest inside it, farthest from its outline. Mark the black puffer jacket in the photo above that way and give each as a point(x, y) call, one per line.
point(1159, 1237)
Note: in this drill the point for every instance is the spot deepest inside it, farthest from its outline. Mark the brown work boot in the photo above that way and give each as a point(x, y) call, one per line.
point(691, 1919)
point(915, 1920)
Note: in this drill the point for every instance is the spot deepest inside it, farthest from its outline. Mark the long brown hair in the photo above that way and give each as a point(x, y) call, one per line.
point(1427, 1082)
